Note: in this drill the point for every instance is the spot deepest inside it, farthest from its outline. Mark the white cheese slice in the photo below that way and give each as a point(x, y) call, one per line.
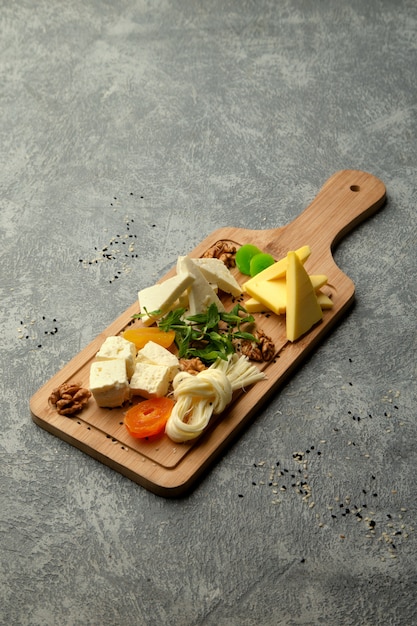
point(200, 295)
point(154, 354)
point(162, 296)
point(108, 383)
point(118, 348)
point(216, 272)
point(150, 381)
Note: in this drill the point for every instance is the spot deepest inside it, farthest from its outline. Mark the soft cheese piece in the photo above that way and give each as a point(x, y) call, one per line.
point(154, 354)
point(278, 269)
point(108, 383)
point(215, 271)
point(162, 296)
point(200, 295)
point(150, 381)
point(118, 348)
point(303, 310)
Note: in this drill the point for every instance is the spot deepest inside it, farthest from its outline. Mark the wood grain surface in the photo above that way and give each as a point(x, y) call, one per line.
point(170, 469)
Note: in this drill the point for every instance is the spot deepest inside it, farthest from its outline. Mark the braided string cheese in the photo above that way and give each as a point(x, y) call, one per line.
point(209, 392)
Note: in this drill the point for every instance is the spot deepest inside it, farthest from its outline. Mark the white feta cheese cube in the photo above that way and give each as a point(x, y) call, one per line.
point(118, 348)
point(150, 381)
point(108, 382)
point(155, 354)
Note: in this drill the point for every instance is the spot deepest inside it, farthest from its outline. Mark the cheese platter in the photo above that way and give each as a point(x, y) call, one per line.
point(171, 469)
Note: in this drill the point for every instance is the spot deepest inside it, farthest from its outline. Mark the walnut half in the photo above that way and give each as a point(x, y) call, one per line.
point(261, 350)
point(223, 250)
point(192, 366)
point(69, 398)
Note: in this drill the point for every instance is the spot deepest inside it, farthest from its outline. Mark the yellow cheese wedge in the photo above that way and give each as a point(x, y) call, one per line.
point(272, 294)
point(253, 306)
point(303, 309)
point(324, 301)
point(318, 280)
point(278, 269)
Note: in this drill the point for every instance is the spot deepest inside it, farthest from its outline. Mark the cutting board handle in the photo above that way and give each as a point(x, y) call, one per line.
point(346, 199)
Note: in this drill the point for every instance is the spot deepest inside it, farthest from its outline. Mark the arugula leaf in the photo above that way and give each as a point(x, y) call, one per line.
point(208, 335)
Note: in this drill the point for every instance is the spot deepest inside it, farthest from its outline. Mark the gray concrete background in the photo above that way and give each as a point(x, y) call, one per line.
point(165, 120)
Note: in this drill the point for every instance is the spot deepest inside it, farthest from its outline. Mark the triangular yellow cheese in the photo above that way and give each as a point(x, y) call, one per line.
point(303, 310)
point(278, 269)
point(318, 280)
point(324, 301)
point(253, 306)
point(271, 293)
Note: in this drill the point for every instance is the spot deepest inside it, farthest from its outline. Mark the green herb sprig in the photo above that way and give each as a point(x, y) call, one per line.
point(208, 335)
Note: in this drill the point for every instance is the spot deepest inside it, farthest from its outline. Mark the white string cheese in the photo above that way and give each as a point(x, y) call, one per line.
point(206, 394)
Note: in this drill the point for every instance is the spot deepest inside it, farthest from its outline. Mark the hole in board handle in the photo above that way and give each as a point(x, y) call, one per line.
point(355, 188)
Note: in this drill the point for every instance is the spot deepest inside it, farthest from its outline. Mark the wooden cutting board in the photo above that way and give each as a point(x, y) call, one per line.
point(170, 469)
